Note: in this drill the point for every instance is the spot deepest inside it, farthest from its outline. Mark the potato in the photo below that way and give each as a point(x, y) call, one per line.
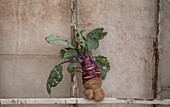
point(93, 89)
point(93, 83)
point(99, 94)
point(88, 93)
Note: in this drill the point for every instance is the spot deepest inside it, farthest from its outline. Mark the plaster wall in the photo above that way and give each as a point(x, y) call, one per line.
point(26, 58)
point(131, 26)
point(164, 66)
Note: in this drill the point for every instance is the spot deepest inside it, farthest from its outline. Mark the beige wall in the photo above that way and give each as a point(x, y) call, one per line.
point(164, 66)
point(26, 58)
point(128, 45)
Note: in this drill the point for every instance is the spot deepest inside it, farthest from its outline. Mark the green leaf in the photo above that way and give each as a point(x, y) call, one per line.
point(80, 40)
point(81, 32)
point(71, 67)
point(84, 38)
point(99, 64)
point(59, 68)
point(92, 44)
point(93, 38)
point(62, 52)
point(69, 53)
point(55, 40)
point(102, 35)
point(54, 78)
point(95, 34)
point(103, 64)
point(103, 74)
point(67, 48)
point(103, 60)
point(48, 86)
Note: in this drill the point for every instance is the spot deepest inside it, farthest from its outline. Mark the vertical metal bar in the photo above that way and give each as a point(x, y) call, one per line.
point(160, 27)
point(159, 45)
point(74, 80)
point(158, 51)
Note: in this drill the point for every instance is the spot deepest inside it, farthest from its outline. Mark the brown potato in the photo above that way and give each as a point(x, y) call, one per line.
point(92, 89)
point(99, 94)
point(88, 93)
point(93, 83)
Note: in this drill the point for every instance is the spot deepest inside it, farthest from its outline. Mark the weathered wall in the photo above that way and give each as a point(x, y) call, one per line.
point(164, 66)
point(128, 45)
point(26, 58)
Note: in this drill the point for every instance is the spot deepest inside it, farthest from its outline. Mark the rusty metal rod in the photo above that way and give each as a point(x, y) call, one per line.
point(74, 91)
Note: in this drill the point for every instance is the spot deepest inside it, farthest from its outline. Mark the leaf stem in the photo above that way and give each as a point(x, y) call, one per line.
point(80, 54)
point(70, 61)
point(89, 55)
point(92, 56)
point(76, 56)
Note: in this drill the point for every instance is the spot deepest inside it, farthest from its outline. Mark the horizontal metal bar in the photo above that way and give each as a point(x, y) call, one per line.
point(82, 101)
point(28, 56)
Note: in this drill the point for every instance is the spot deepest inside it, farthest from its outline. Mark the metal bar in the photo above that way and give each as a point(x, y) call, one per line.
point(82, 101)
point(157, 51)
point(159, 37)
point(28, 56)
point(74, 80)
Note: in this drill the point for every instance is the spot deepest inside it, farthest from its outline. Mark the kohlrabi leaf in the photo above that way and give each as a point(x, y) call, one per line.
point(93, 38)
point(54, 78)
point(67, 48)
point(103, 64)
point(55, 40)
point(70, 52)
point(71, 67)
point(103, 74)
point(80, 40)
point(62, 52)
point(95, 34)
point(103, 60)
point(81, 32)
point(102, 35)
point(84, 38)
point(92, 44)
